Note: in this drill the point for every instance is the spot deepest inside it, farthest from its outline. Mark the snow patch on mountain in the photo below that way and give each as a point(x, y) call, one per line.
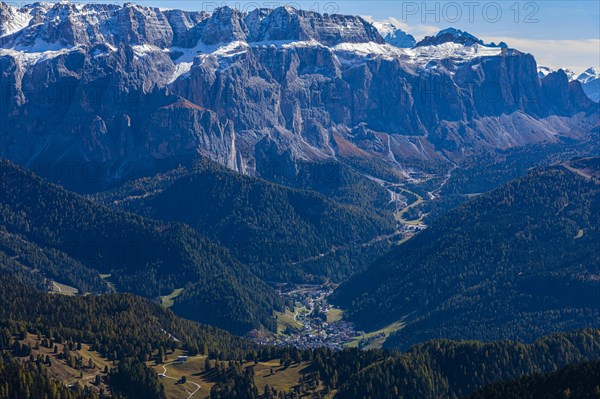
point(12, 19)
point(187, 55)
point(384, 28)
point(347, 53)
point(570, 74)
point(38, 51)
point(458, 53)
point(144, 49)
point(181, 69)
point(369, 50)
point(544, 71)
point(183, 58)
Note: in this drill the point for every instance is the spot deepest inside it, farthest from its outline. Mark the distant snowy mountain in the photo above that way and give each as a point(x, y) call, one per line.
point(395, 36)
point(570, 74)
point(452, 35)
point(544, 71)
point(590, 81)
point(589, 75)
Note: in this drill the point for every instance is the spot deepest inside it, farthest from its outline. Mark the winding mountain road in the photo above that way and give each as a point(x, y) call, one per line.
point(164, 375)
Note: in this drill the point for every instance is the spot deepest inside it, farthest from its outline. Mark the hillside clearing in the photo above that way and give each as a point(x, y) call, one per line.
point(375, 339)
point(63, 289)
point(168, 300)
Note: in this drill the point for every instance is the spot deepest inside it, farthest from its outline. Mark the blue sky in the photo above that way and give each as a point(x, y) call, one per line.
point(558, 33)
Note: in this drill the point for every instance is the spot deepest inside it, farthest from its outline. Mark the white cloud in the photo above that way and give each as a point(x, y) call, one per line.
point(577, 55)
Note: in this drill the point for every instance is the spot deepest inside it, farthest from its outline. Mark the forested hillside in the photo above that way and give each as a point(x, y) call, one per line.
point(447, 369)
point(124, 329)
point(30, 380)
point(26, 256)
point(46, 227)
point(130, 331)
point(117, 325)
point(579, 381)
point(337, 181)
point(518, 262)
point(277, 230)
point(438, 369)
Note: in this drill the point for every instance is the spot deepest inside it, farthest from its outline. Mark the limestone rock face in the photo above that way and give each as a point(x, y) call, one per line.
point(133, 88)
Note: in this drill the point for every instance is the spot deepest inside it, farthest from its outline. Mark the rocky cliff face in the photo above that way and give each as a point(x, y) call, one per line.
point(122, 86)
point(452, 35)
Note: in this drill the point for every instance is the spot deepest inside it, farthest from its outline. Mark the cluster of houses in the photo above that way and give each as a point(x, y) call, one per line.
point(311, 313)
point(333, 336)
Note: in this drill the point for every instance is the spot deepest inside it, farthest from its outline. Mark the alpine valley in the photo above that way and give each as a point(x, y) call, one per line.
point(286, 204)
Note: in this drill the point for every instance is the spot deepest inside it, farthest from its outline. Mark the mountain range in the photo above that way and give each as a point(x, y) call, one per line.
point(590, 80)
point(290, 177)
point(130, 90)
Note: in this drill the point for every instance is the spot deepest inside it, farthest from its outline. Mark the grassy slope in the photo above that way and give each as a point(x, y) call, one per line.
point(282, 379)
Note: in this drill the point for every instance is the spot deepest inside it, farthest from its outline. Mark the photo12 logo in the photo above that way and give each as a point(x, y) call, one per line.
point(470, 12)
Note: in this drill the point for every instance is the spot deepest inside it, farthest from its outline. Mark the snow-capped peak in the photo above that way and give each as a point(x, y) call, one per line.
point(457, 33)
point(544, 71)
point(393, 35)
point(590, 74)
point(450, 35)
point(453, 35)
point(384, 28)
point(590, 82)
point(570, 74)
